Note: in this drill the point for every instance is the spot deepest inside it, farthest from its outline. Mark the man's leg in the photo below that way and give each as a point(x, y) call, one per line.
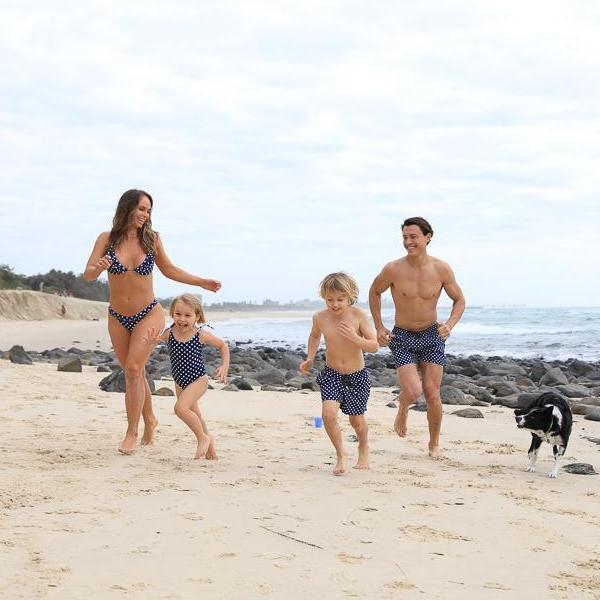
point(432, 380)
point(410, 390)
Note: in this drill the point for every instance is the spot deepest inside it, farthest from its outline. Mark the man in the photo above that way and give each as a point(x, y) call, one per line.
point(416, 282)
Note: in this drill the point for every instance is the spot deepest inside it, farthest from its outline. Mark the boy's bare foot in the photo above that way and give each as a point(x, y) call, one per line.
point(149, 427)
point(128, 444)
point(400, 422)
point(434, 451)
point(203, 445)
point(340, 467)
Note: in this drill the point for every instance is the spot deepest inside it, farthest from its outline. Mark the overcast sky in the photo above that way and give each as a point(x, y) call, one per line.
point(285, 140)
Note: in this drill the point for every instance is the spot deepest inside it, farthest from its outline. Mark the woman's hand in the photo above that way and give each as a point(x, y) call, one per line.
point(103, 264)
point(212, 285)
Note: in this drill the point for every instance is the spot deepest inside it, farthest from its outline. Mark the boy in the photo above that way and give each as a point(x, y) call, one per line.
point(344, 381)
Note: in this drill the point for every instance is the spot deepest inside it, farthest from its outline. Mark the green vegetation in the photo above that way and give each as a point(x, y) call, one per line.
point(54, 282)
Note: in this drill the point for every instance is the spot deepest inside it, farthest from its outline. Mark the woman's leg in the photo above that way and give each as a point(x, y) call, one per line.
point(186, 408)
point(135, 375)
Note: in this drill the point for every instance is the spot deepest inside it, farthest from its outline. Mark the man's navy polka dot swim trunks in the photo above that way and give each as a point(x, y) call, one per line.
point(351, 390)
point(410, 347)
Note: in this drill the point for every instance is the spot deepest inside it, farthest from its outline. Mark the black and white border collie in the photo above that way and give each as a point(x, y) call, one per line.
point(549, 419)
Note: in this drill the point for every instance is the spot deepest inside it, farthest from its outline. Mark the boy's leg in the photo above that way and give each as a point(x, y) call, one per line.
point(330, 412)
point(211, 453)
point(432, 380)
point(410, 390)
point(359, 423)
point(186, 401)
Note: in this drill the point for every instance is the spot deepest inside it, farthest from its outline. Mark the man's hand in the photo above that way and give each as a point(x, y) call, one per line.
point(383, 336)
point(306, 366)
point(444, 330)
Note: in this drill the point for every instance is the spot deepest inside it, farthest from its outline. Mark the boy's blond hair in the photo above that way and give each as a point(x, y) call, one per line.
point(339, 282)
point(193, 302)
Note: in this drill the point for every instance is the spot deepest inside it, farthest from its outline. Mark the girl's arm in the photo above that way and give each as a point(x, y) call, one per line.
point(168, 269)
point(223, 348)
point(98, 260)
point(154, 336)
point(314, 340)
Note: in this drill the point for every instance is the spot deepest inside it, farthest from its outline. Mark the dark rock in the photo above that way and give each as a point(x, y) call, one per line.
point(391, 405)
point(275, 388)
point(231, 387)
point(554, 377)
point(241, 384)
point(310, 385)
point(508, 401)
point(578, 408)
point(581, 368)
point(580, 469)
point(270, 375)
point(593, 413)
point(115, 382)
point(70, 365)
point(505, 388)
point(164, 391)
point(525, 399)
point(594, 440)
point(452, 395)
point(503, 367)
point(469, 413)
point(18, 356)
point(103, 369)
point(419, 407)
point(573, 390)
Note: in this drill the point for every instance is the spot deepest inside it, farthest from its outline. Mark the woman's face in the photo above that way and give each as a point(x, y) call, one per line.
point(141, 213)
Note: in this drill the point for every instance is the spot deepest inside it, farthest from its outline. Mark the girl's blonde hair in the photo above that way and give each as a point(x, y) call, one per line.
point(191, 301)
point(339, 282)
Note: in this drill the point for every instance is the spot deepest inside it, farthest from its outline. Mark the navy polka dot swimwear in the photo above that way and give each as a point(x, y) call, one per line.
point(412, 347)
point(187, 364)
point(117, 267)
point(350, 390)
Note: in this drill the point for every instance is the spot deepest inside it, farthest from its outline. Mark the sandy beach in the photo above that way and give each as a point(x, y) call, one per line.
point(268, 519)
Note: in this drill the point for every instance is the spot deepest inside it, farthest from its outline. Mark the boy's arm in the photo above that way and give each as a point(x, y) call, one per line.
point(365, 339)
point(223, 348)
point(455, 294)
point(380, 284)
point(314, 340)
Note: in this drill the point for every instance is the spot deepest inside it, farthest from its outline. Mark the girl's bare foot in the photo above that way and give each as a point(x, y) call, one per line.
point(400, 422)
point(128, 444)
point(149, 428)
point(203, 445)
point(340, 467)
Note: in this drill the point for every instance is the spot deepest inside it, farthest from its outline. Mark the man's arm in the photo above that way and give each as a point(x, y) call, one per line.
point(314, 339)
point(380, 284)
point(455, 294)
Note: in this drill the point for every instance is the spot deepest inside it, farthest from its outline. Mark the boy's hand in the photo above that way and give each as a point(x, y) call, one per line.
point(221, 374)
point(383, 336)
point(348, 332)
point(306, 366)
point(152, 336)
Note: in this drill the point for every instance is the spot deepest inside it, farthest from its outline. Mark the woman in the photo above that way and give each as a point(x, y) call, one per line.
point(128, 252)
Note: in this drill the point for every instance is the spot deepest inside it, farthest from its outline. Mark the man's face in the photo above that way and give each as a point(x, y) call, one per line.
point(413, 239)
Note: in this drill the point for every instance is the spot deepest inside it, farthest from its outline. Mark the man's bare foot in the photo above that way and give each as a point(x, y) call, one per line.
point(203, 445)
point(434, 451)
point(340, 467)
point(149, 428)
point(128, 444)
point(400, 422)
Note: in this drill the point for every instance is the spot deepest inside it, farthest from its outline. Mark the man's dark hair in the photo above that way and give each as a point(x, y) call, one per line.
point(421, 223)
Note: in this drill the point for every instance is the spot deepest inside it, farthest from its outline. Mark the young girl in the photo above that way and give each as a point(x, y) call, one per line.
point(185, 341)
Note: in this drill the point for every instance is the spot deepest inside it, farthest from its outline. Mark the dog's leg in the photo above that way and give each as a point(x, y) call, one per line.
point(536, 442)
point(558, 452)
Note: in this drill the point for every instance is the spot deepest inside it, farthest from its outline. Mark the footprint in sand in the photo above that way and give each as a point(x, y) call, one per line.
point(399, 585)
point(352, 560)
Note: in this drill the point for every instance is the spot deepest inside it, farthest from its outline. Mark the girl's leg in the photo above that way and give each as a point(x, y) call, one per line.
point(211, 453)
point(359, 423)
point(187, 400)
point(330, 412)
point(135, 375)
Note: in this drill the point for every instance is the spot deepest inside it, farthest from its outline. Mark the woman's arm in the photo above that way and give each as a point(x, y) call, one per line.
point(98, 260)
point(168, 269)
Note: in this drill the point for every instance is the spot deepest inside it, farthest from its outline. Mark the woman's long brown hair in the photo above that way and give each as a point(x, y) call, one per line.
point(127, 204)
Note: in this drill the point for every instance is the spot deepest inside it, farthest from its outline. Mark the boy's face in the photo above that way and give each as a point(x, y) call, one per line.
point(184, 316)
point(337, 302)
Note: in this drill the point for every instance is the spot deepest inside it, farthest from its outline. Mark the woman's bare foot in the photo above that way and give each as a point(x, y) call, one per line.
point(211, 453)
point(340, 467)
point(128, 444)
point(203, 445)
point(149, 428)
point(400, 422)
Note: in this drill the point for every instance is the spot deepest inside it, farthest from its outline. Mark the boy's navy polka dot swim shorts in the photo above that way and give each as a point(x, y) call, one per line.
point(351, 390)
point(410, 347)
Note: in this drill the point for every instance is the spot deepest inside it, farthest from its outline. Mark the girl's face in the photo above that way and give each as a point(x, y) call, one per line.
point(184, 316)
point(141, 213)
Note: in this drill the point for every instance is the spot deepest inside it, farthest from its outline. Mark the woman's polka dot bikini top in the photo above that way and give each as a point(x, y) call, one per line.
point(117, 268)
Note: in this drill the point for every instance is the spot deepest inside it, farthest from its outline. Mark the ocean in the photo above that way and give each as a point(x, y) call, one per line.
point(548, 333)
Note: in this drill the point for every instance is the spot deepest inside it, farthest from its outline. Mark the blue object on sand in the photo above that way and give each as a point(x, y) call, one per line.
point(318, 421)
